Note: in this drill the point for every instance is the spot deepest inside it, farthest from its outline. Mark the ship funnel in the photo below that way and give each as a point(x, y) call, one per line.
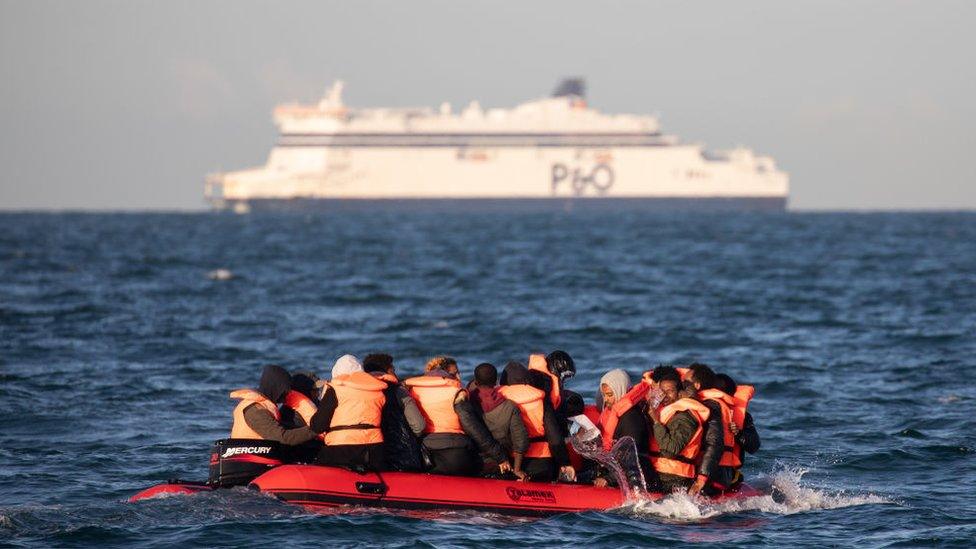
point(571, 87)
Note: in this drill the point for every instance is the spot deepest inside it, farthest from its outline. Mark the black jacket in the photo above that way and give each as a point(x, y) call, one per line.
point(634, 424)
point(554, 434)
point(748, 437)
point(399, 440)
point(713, 441)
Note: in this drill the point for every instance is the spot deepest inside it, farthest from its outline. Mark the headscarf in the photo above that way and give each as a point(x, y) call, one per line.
point(618, 381)
point(275, 383)
point(346, 364)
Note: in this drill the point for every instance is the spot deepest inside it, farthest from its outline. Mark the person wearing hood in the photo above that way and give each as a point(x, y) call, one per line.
point(621, 415)
point(502, 417)
point(454, 434)
point(350, 417)
point(402, 423)
point(257, 416)
point(550, 373)
point(546, 458)
point(717, 441)
point(301, 402)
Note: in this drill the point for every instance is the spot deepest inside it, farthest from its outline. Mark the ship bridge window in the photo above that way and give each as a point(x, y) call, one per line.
point(715, 156)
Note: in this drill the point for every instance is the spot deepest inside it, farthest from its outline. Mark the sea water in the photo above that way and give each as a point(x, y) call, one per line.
point(122, 334)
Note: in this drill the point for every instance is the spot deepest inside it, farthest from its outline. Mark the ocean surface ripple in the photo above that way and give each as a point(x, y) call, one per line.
point(122, 334)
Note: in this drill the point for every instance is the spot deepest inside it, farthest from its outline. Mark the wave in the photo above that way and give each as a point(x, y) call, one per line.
point(783, 495)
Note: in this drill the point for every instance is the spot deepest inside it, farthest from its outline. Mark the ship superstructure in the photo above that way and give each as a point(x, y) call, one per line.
point(555, 147)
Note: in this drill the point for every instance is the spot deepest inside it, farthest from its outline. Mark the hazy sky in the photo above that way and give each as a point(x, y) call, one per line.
point(129, 104)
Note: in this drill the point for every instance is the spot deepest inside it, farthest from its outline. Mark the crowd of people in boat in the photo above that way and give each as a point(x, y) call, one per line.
point(690, 425)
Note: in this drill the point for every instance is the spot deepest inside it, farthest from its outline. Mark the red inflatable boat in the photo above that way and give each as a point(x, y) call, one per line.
point(260, 465)
point(317, 486)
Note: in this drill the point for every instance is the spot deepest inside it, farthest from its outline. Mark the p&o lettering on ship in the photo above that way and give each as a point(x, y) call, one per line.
point(600, 178)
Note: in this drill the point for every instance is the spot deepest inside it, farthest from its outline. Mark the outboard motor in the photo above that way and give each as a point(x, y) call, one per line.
point(238, 461)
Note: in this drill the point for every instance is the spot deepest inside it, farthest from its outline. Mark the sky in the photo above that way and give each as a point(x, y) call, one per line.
point(128, 104)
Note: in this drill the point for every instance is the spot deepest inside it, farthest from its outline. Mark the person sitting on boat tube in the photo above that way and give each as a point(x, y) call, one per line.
point(676, 433)
point(300, 404)
point(738, 433)
point(546, 458)
point(302, 401)
point(454, 434)
point(621, 415)
point(402, 422)
point(502, 417)
point(257, 416)
point(720, 458)
point(349, 417)
point(549, 373)
point(445, 363)
point(746, 438)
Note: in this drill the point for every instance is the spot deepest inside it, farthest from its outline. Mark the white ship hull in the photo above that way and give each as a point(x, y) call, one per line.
point(336, 160)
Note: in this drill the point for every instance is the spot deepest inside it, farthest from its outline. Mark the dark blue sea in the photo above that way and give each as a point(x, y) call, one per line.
point(122, 334)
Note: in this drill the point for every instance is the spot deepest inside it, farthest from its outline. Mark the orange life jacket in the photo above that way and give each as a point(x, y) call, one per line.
point(538, 363)
point(435, 398)
point(356, 419)
point(530, 402)
point(683, 464)
point(610, 416)
point(733, 411)
point(247, 397)
point(302, 405)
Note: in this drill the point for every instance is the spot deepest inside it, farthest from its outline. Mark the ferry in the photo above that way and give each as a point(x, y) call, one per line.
point(554, 150)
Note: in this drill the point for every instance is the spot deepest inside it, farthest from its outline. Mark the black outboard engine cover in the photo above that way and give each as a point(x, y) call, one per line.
point(238, 461)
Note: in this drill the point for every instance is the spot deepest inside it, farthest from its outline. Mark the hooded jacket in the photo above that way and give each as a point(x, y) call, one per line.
point(346, 364)
point(618, 380)
point(502, 417)
point(302, 383)
point(517, 374)
point(275, 383)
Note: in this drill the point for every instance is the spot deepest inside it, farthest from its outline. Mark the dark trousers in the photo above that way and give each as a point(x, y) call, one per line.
point(674, 483)
point(539, 469)
point(454, 461)
point(367, 456)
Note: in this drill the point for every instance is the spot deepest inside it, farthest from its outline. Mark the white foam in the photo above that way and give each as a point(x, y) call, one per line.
point(783, 494)
point(220, 274)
